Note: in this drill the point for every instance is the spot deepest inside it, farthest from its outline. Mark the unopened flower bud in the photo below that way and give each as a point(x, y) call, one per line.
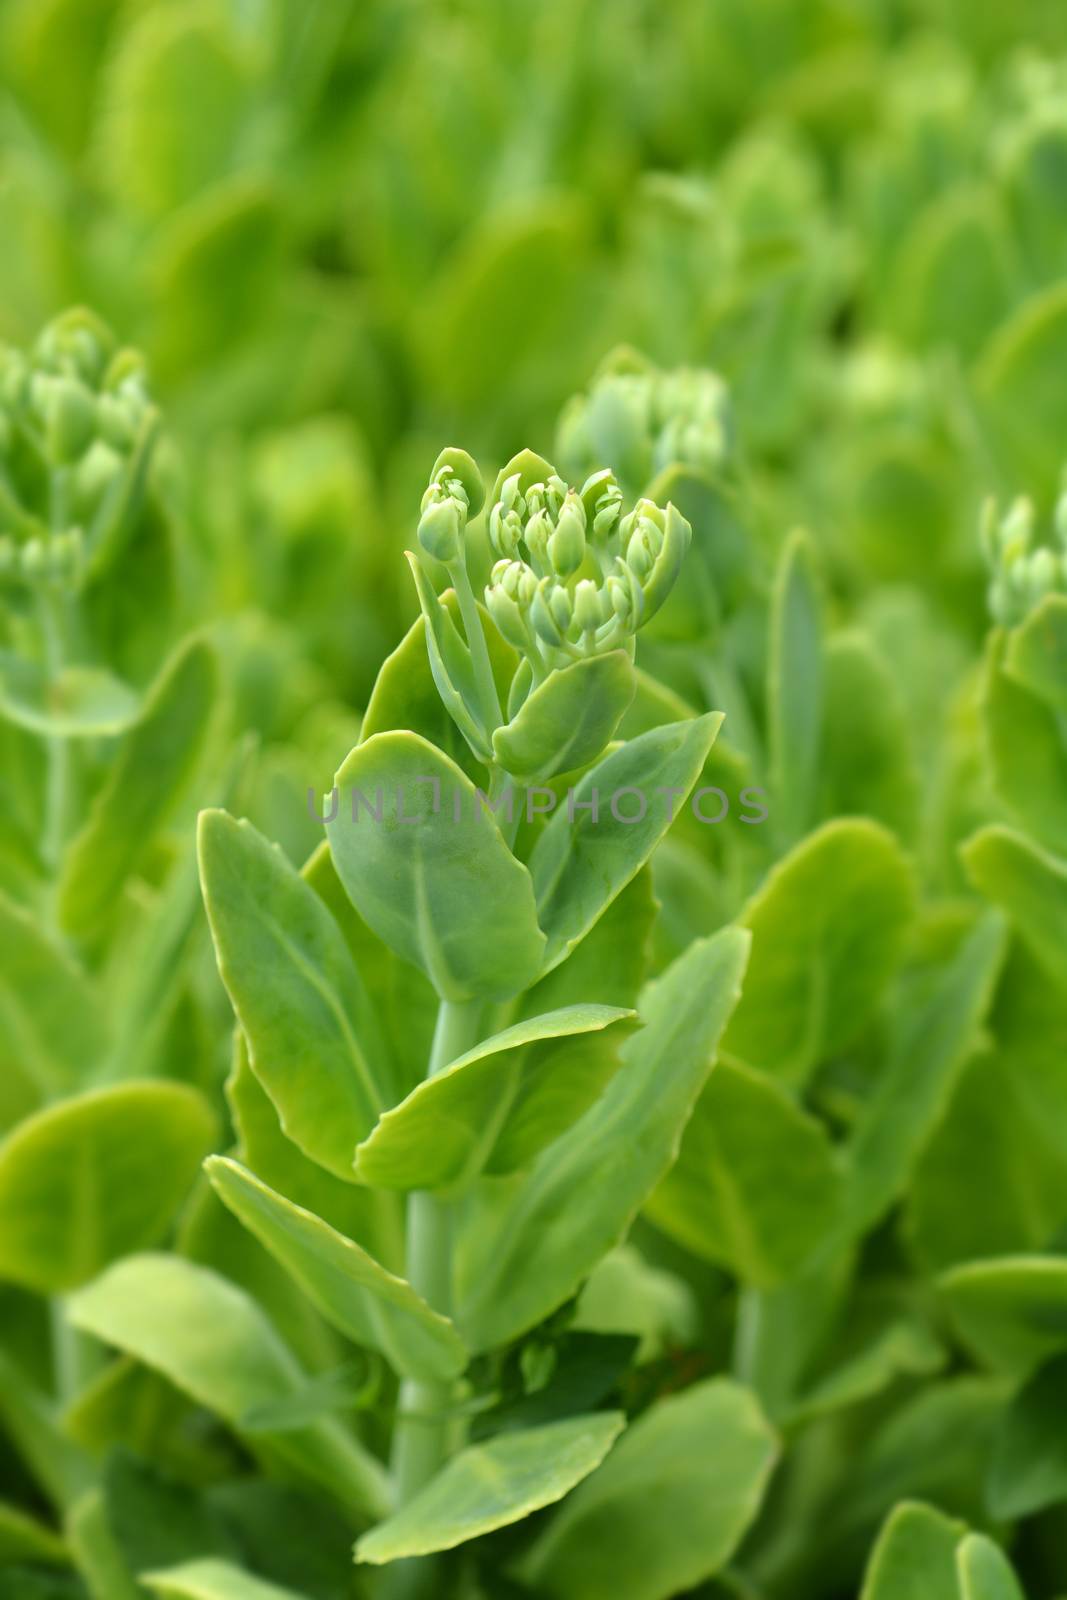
point(640, 553)
point(69, 415)
point(566, 546)
point(587, 609)
point(441, 528)
point(550, 612)
point(535, 536)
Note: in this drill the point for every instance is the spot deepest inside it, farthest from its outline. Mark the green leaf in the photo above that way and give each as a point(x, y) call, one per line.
point(527, 1247)
point(25, 1538)
point(984, 1571)
point(957, 1209)
point(98, 1554)
point(668, 1507)
point(901, 1348)
point(756, 1183)
point(405, 695)
point(211, 1579)
point(795, 688)
point(404, 998)
point(79, 703)
point(1019, 382)
point(867, 763)
point(156, 1519)
point(143, 785)
point(1028, 1470)
point(436, 882)
point(1011, 1309)
point(611, 963)
point(567, 721)
point(373, 1220)
point(1030, 885)
point(490, 1485)
point(212, 273)
point(91, 1178)
point(446, 1128)
point(578, 866)
point(53, 1028)
point(215, 1344)
point(828, 926)
point(915, 1557)
point(1036, 653)
point(350, 1288)
point(933, 1038)
point(153, 152)
point(451, 663)
point(626, 1296)
point(1027, 751)
point(954, 278)
point(311, 1030)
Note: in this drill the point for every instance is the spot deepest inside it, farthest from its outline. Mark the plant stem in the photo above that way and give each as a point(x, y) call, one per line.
point(472, 627)
point(423, 1433)
point(58, 782)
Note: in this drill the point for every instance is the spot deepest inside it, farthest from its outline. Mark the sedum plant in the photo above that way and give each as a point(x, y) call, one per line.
point(455, 1084)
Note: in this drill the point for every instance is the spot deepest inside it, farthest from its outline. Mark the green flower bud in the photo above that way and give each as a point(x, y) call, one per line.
point(566, 546)
point(588, 614)
point(641, 551)
point(550, 612)
point(676, 538)
point(455, 470)
point(507, 616)
point(34, 558)
point(76, 343)
point(69, 416)
point(535, 536)
point(1040, 575)
point(440, 530)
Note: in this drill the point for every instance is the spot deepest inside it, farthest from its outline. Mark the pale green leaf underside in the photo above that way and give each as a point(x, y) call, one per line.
point(347, 1285)
point(490, 1485)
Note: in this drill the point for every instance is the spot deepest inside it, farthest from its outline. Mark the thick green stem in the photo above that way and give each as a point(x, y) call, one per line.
point(58, 790)
point(424, 1427)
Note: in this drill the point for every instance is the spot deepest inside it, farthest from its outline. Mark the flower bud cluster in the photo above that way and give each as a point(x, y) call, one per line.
point(1022, 575)
point(575, 576)
point(76, 426)
point(642, 420)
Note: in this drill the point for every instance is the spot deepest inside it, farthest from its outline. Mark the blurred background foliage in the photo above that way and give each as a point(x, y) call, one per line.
point(343, 230)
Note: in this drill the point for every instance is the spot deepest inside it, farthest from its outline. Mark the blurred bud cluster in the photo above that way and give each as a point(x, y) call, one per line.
point(1022, 574)
point(77, 428)
point(642, 419)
